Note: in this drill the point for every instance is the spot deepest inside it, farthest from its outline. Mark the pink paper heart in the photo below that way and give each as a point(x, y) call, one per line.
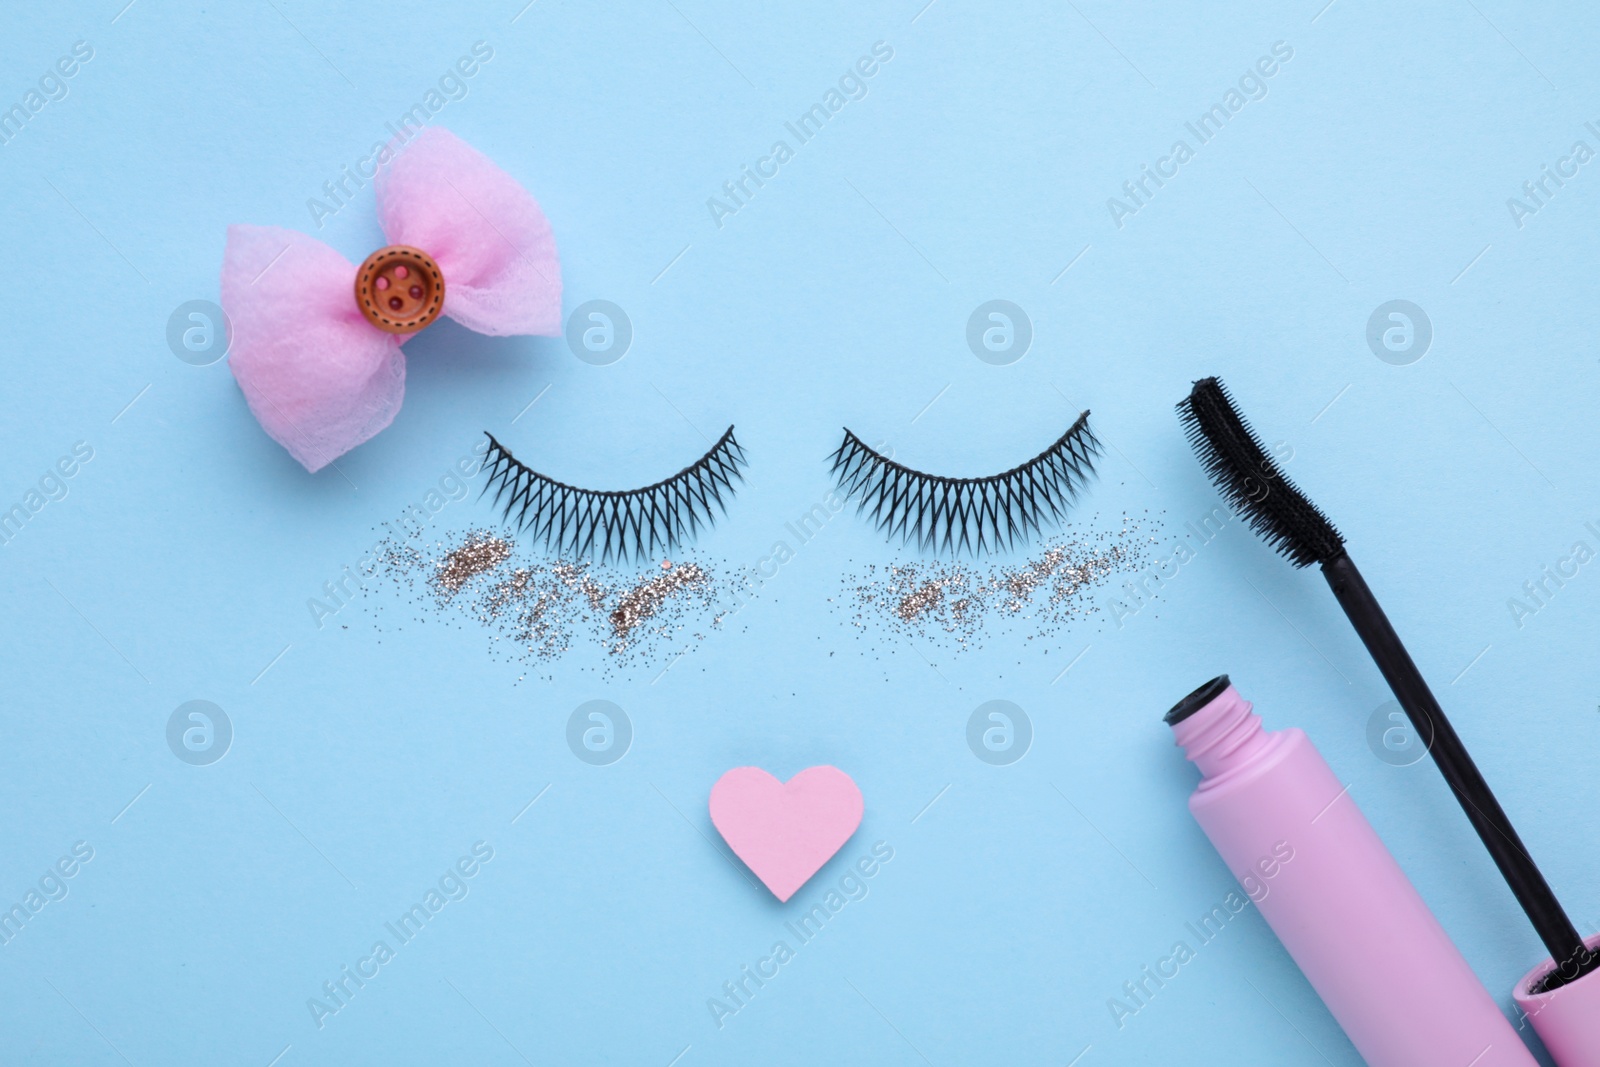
point(785, 831)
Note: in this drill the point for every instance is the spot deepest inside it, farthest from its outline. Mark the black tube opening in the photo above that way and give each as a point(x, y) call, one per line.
point(1196, 700)
point(1580, 965)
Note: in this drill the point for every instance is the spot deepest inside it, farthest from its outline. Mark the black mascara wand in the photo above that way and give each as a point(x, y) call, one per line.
point(1241, 470)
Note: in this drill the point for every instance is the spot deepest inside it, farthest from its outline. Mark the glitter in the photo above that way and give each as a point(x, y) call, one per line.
point(539, 610)
point(957, 603)
point(481, 553)
point(927, 597)
point(641, 602)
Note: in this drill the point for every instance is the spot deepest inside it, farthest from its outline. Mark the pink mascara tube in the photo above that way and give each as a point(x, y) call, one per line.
point(1333, 894)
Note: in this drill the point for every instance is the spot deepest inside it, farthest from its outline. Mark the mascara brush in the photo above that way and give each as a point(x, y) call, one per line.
point(1250, 481)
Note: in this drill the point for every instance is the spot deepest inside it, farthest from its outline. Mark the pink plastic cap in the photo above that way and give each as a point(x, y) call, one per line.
point(1567, 1019)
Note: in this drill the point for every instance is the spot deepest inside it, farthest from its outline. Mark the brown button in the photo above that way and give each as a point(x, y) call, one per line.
point(399, 289)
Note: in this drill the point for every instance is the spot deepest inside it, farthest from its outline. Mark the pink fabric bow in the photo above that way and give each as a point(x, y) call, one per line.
point(322, 379)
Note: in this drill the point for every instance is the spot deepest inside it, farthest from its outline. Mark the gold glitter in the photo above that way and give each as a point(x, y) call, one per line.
point(929, 596)
point(575, 576)
point(481, 553)
point(539, 610)
point(641, 602)
point(959, 602)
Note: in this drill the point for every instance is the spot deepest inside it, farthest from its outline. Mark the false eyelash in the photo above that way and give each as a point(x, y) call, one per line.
point(976, 514)
point(620, 524)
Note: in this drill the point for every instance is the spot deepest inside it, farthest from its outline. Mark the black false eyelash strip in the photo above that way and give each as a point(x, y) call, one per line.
point(615, 524)
point(968, 514)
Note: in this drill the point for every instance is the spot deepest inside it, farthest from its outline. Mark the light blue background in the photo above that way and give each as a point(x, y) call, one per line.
point(979, 165)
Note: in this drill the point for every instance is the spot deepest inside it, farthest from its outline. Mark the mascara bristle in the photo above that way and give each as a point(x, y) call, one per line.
point(1249, 480)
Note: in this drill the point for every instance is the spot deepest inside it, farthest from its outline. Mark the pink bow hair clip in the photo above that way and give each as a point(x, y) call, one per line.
point(316, 340)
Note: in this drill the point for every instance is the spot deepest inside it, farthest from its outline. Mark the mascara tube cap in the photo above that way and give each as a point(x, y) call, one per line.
point(1566, 1018)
